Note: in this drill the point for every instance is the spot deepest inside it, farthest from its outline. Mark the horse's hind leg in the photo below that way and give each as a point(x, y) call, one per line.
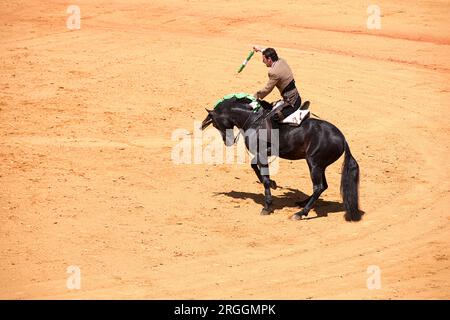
point(319, 186)
point(303, 203)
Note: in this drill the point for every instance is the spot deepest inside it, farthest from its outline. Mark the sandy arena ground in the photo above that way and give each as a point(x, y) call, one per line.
point(87, 177)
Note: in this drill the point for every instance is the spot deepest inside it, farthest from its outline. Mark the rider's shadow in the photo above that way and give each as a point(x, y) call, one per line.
point(288, 200)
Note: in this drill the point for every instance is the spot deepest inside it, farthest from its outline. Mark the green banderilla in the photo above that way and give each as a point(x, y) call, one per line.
point(250, 55)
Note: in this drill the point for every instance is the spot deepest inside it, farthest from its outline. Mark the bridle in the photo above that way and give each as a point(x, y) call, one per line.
point(236, 139)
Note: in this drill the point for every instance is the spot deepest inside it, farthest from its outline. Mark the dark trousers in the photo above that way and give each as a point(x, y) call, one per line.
point(287, 109)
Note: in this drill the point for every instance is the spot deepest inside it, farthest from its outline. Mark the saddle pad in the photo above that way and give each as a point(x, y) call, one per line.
point(296, 117)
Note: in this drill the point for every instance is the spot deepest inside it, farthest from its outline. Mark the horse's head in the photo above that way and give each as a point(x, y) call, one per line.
point(222, 122)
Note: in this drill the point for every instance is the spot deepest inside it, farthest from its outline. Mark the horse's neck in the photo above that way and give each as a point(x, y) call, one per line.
point(243, 118)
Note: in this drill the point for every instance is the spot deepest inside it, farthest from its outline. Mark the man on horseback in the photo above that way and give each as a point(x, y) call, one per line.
point(317, 141)
point(280, 76)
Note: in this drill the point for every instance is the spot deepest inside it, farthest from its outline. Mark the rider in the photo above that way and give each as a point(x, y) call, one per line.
point(280, 76)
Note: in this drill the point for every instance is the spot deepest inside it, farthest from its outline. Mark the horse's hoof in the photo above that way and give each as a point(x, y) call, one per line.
point(296, 217)
point(265, 212)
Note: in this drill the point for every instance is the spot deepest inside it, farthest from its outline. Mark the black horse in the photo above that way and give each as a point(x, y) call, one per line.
point(317, 141)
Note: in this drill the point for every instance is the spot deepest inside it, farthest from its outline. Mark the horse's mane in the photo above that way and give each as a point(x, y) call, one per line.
point(244, 103)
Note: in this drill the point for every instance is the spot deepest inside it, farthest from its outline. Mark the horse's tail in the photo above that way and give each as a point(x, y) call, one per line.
point(350, 186)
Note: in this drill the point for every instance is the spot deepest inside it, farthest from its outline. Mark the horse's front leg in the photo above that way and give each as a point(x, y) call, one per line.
point(264, 171)
point(260, 165)
point(255, 168)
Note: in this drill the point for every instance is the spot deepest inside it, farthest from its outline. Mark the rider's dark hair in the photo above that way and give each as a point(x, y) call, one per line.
point(270, 53)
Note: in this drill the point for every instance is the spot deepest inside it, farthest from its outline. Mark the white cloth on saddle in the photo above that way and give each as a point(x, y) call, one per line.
point(294, 118)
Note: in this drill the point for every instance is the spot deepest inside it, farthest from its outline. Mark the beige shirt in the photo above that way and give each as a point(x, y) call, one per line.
point(280, 75)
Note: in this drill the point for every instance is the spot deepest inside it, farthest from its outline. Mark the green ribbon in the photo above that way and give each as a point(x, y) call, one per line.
point(239, 95)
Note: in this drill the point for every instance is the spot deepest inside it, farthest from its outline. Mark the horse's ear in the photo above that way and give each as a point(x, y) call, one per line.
point(208, 119)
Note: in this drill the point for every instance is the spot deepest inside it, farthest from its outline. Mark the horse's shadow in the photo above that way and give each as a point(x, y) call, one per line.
point(288, 200)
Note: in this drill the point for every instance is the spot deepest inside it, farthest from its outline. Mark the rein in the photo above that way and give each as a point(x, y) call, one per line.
point(236, 139)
